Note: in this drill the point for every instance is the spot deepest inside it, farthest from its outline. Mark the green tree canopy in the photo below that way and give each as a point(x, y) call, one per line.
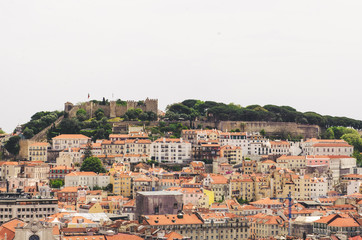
point(82, 114)
point(12, 145)
point(56, 183)
point(92, 164)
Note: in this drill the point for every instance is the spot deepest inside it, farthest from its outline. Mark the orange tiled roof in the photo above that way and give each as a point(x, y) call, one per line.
point(123, 236)
point(71, 136)
point(172, 219)
point(94, 237)
point(344, 222)
point(39, 144)
point(81, 174)
point(266, 201)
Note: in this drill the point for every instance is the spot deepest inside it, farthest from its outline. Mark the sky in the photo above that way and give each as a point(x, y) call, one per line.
point(305, 54)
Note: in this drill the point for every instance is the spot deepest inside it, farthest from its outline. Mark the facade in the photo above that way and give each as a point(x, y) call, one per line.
point(263, 226)
point(60, 172)
point(10, 170)
point(154, 202)
point(233, 154)
point(64, 141)
point(194, 136)
point(90, 179)
point(38, 151)
point(122, 184)
point(326, 147)
point(171, 150)
point(279, 148)
point(128, 146)
point(206, 151)
point(291, 162)
point(15, 205)
point(38, 171)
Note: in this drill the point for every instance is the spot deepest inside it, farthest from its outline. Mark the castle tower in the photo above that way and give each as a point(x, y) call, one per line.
point(112, 109)
point(68, 106)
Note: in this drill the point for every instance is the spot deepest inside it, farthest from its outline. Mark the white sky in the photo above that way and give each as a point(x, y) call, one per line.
point(305, 54)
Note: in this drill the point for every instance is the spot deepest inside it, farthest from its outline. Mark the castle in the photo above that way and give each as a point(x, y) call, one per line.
point(113, 109)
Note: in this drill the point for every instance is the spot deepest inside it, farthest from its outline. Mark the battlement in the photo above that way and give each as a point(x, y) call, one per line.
point(112, 110)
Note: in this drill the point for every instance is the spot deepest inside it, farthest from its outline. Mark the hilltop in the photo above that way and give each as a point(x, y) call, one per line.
point(96, 118)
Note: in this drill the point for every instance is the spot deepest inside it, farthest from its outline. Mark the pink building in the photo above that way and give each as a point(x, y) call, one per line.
point(317, 160)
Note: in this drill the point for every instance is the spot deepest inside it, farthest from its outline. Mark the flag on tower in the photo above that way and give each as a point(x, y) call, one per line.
point(88, 95)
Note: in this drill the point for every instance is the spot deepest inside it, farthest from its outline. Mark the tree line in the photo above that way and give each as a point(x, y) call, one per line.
point(192, 109)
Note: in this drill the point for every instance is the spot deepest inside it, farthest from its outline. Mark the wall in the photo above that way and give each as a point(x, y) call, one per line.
point(308, 131)
point(112, 110)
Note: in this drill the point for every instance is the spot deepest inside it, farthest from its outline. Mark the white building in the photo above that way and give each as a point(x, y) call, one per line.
point(353, 186)
point(318, 188)
point(64, 141)
point(90, 179)
point(171, 150)
point(326, 147)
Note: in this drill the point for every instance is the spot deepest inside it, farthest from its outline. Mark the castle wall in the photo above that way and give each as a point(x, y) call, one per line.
point(112, 110)
point(308, 131)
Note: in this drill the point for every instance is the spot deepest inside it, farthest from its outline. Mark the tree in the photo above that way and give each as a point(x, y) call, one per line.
point(262, 132)
point(56, 183)
point(109, 187)
point(92, 164)
point(88, 151)
point(12, 145)
point(99, 113)
point(133, 114)
point(69, 126)
point(28, 133)
point(82, 115)
point(353, 139)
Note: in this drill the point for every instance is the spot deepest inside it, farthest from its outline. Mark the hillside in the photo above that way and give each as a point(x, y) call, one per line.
point(191, 109)
point(99, 125)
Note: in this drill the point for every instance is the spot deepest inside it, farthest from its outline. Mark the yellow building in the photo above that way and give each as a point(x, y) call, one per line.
point(291, 162)
point(122, 184)
point(242, 188)
point(210, 195)
point(264, 226)
point(38, 151)
point(232, 154)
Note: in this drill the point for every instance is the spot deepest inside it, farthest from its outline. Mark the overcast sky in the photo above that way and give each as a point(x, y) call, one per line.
point(305, 54)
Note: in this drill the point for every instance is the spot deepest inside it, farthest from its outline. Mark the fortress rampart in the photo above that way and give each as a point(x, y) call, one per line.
point(113, 109)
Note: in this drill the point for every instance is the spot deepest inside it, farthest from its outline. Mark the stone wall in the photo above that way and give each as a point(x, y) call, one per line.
point(112, 110)
point(272, 128)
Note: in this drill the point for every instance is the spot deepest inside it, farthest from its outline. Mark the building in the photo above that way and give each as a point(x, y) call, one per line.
point(122, 184)
point(194, 136)
point(10, 170)
point(291, 162)
point(171, 150)
point(279, 148)
point(188, 225)
point(326, 147)
point(64, 141)
point(337, 224)
point(158, 202)
point(233, 154)
point(90, 179)
point(128, 146)
point(39, 171)
point(68, 195)
point(60, 172)
point(38, 151)
point(264, 225)
point(17, 205)
point(206, 151)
